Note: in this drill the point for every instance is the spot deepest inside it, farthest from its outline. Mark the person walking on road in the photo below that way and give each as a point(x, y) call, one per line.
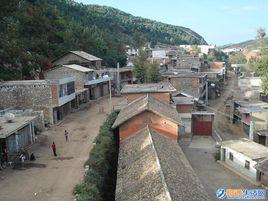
point(66, 135)
point(53, 146)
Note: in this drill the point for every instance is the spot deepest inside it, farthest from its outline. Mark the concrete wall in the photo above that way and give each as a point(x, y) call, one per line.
point(140, 121)
point(35, 96)
point(163, 97)
point(238, 163)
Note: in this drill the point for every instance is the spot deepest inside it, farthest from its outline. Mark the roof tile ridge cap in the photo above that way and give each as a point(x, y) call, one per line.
point(160, 168)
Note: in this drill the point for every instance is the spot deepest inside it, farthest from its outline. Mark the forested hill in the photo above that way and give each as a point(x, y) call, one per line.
point(33, 32)
point(247, 45)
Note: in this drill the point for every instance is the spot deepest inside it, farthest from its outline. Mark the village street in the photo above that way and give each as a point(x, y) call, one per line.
point(53, 178)
point(200, 150)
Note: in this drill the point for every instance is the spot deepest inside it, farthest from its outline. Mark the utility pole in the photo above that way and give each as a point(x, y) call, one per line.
point(118, 78)
point(110, 95)
point(206, 92)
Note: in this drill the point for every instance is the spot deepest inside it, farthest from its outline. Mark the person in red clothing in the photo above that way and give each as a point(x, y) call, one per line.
point(53, 146)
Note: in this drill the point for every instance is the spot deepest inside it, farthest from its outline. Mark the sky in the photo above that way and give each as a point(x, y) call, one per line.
point(220, 22)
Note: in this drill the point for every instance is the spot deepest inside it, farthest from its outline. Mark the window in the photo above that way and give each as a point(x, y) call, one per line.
point(247, 164)
point(231, 156)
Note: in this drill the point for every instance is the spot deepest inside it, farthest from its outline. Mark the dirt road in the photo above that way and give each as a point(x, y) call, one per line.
point(52, 178)
point(222, 124)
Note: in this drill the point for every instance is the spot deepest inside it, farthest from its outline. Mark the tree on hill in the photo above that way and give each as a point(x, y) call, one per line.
point(33, 32)
point(238, 58)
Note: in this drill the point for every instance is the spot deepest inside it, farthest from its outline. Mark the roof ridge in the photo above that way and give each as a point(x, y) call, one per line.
point(160, 167)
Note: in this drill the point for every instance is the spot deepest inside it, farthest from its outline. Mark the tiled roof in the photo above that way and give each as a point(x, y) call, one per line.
point(153, 167)
point(86, 55)
point(149, 103)
point(78, 68)
point(147, 88)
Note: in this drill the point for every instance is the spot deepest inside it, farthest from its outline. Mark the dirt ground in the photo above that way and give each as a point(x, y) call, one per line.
point(52, 178)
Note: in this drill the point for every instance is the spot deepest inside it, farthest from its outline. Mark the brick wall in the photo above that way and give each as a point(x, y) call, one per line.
point(140, 121)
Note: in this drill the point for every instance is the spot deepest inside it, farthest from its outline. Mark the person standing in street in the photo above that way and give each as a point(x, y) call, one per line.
point(53, 146)
point(66, 135)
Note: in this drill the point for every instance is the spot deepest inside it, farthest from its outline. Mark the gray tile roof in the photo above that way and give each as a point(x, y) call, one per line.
point(153, 167)
point(148, 103)
point(148, 88)
point(86, 55)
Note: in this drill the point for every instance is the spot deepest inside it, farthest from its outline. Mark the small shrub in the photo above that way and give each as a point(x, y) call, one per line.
point(100, 179)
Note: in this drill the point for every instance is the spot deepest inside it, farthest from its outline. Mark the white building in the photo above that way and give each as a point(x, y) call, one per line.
point(242, 156)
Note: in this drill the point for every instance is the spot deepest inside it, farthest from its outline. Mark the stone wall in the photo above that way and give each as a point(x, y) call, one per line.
point(33, 95)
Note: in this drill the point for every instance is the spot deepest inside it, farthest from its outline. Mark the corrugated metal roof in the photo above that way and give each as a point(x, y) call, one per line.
point(86, 55)
point(78, 68)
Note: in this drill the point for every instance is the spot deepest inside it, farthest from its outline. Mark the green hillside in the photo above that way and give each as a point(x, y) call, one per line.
point(248, 45)
point(33, 32)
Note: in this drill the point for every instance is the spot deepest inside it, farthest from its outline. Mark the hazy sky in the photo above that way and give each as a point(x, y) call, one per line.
point(218, 21)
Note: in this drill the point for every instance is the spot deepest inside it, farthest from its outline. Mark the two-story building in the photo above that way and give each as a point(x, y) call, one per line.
point(53, 97)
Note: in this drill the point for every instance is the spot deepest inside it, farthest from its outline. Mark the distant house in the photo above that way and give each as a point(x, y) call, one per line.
point(120, 77)
point(89, 84)
point(161, 91)
point(243, 156)
point(188, 63)
point(252, 116)
point(16, 134)
point(251, 87)
point(53, 97)
point(148, 111)
point(262, 167)
point(152, 166)
point(191, 83)
point(80, 58)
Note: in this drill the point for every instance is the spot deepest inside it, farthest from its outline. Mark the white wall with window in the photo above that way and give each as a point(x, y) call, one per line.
point(66, 90)
point(239, 162)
